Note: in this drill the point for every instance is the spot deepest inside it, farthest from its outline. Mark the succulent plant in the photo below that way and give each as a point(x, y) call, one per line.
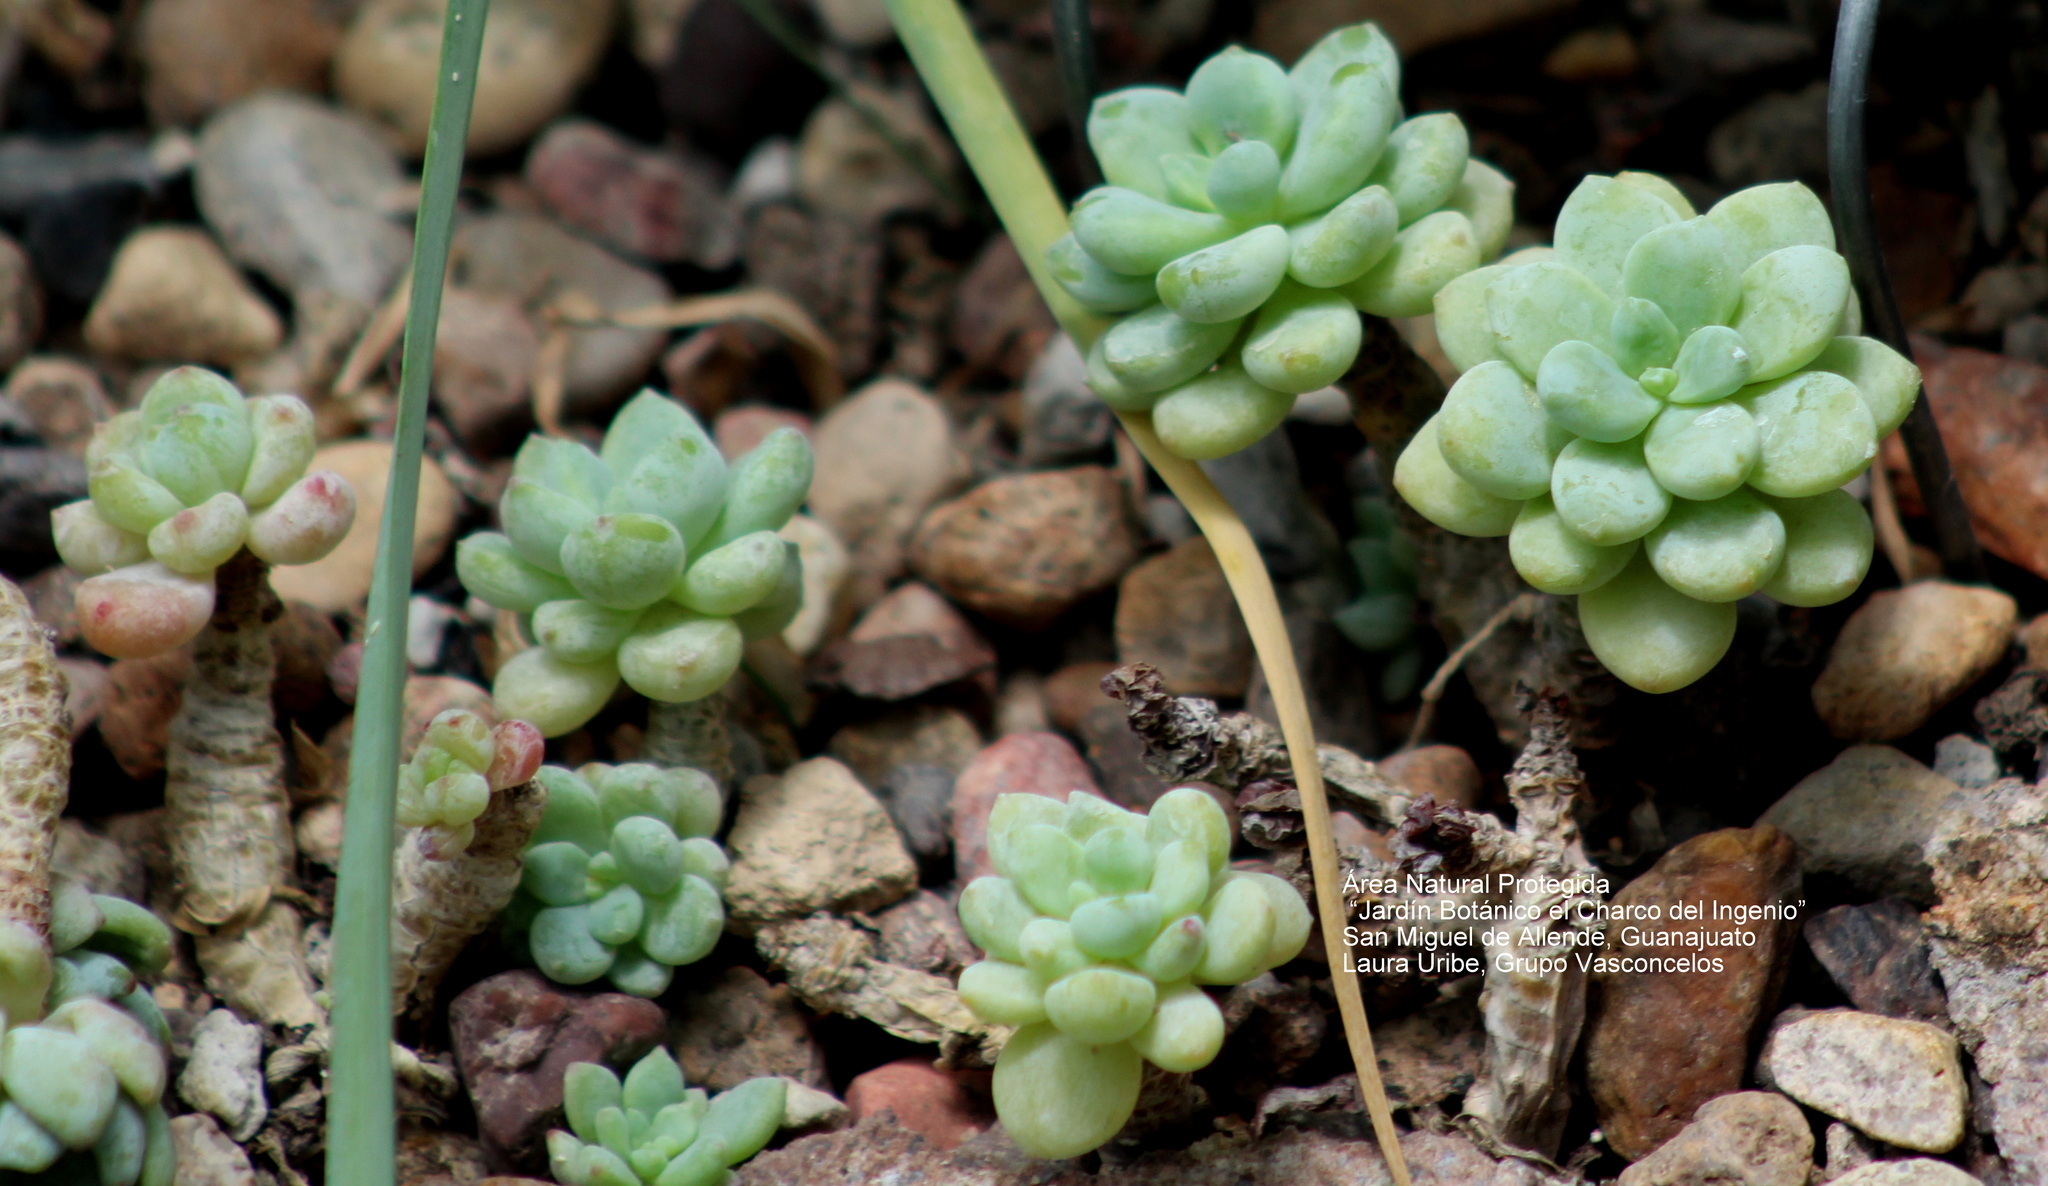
point(649, 560)
point(1381, 619)
point(622, 878)
point(1660, 412)
point(179, 486)
point(448, 781)
point(1099, 933)
point(84, 1082)
point(655, 1129)
point(1247, 221)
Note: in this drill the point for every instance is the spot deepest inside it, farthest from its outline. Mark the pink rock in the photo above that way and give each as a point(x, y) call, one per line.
point(910, 641)
point(930, 1102)
point(1444, 772)
point(655, 205)
point(739, 429)
point(1027, 763)
point(515, 1035)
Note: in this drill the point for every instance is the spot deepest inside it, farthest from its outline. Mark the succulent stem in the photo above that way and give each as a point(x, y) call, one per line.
point(951, 62)
point(438, 906)
point(34, 784)
point(692, 734)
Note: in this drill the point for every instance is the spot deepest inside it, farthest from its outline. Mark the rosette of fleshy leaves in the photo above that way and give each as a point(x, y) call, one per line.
point(622, 878)
point(1249, 219)
point(1099, 933)
point(1660, 412)
point(82, 1080)
point(655, 1129)
point(648, 560)
point(448, 781)
point(180, 485)
point(1381, 619)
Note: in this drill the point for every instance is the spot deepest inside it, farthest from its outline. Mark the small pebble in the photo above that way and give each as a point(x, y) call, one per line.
point(224, 1075)
point(873, 508)
point(1866, 817)
point(337, 581)
point(199, 55)
point(1907, 652)
point(1900, 1082)
point(649, 204)
point(1966, 762)
point(812, 838)
point(62, 397)
point(1748, 1138)
point(173, 296)
point(1444, 772)
point(1175, 611)
point(1025, 548)
point(924, 1099)
point(1022, 763)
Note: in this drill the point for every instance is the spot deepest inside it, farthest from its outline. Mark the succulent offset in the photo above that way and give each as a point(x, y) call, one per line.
point(448, 781)
point(623, 879)
point(655, 1129)
point(1660, 412)
point(179, 486)
point(84, 1083)
point(1248, 220)
point(1381, 619)
point(1099, 933)
point(649, 560)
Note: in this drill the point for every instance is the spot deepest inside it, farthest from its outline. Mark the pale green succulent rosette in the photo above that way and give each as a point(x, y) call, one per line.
point(1659, 413)
point(655, 1130)
point(1099, 933)
point(178, 487)
point(81, 1088)
point(1247, 221)
point(649, 560)
point(622, 879)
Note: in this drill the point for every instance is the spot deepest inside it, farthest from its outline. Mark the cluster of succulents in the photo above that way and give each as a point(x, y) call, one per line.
point(1659, 412)
point(84, 1070)
point(1381, 619)
point(655, 1129)
point(179, 486)
point(1248, 220)
point(622, 878)
point(448, 782)
point(1099, 933)
point(649, 560)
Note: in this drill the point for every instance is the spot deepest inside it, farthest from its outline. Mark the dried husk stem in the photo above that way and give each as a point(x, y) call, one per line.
point(693, 733)
point(35, 780)
point(438, 906)
point(227, 816)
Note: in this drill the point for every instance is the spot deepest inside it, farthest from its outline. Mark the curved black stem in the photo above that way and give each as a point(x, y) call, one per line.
point(1073, 46)
point(1849, 178)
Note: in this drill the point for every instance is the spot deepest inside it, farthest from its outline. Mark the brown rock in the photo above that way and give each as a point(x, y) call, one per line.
point(1023, 549)
point(830, 265)
point(1659, 1044)
point(739, 1026)
point(62, 397)
point(143, 697)
point(21, 304)
point(206, 1156)
point(1175, 611)
point(927, 734)
point(1877, 955)
point(1431, 1054)
point(1906, 652)
point(338, 581)
point(875, 508)
point(304, 641)
point(1022, 763)
point(738, 430)
point(810, 839)
point(933, 1103)
point(1747, 1138)
point(200, 55)
point(845, 166)
point(1000, 323)
point(911, 641)
point(1444, 772)
point(1073, 690)
point(2034, 640)
point(1866, 817)
point(923, 931)
point(515, 1035)
point(1118, 757)
point(1993, 412)
point(172, 296)
point(438, 1157)
point(656, 205)
point(484, 356)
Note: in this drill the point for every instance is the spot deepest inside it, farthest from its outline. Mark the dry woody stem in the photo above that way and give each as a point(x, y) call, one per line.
point(438, 906)
point(691, 734)
point(35, 773)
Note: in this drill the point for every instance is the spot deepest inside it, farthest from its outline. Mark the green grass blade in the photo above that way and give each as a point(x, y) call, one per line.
point(361, 1116)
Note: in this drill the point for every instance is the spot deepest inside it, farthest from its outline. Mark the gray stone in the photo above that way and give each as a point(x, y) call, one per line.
point(1918, 1171)
point(1966, 762)
point(1877, 955)
point(1063, 420)
point(1865, 817)
point(807, 1109)
point(297, 189)
point(1847, 1152)
point(1748, 1138)
point(810, 839)
point(920, 799)
point(1778, 136)
point(875, 508)
point(224, 1075)
point(206, 1155)
point(1898, 1081)
point(1264, 483)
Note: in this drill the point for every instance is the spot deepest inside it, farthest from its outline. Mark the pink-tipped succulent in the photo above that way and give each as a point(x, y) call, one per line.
point(459, 765)
point(180, 486)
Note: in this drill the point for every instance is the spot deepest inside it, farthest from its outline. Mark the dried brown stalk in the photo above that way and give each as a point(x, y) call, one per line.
point(35, 778)
point(832, 965)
